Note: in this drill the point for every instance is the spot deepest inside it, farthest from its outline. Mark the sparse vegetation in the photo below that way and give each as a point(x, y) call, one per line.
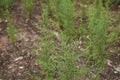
point(98, 25)
point(60, 45)
point(28, 6)
point(11, 30)
point(6, 4)
point(58, 60)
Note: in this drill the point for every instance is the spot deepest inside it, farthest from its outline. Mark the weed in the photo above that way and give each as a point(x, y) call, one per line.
point(28, 6)
point(45, 21)
point(50, 5)
point(10, 28)
point(98, 25)
point(5, 4)
point(65, 15)
point(11, 31)
point(57, 62)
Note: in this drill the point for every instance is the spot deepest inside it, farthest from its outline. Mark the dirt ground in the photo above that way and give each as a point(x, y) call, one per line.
point(18, 62)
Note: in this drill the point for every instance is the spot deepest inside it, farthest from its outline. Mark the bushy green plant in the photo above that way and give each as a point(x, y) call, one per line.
point(55, 61)
point(65, 15)
point(50, 5)
point(5, 4)
point(98, 25)
point(45, 20)
point(28, 6)
point(11, 30)
point(57, 55)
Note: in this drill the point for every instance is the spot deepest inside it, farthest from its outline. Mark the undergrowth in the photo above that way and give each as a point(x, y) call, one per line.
point(65, 15)
point(56, 56)
point(57, 59)
point(98, 26)
point(57, 53)
point(11, 30)
point(57, 46)
point(28, 6)
point(6, 4)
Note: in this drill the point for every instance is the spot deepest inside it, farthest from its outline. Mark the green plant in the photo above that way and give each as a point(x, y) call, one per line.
point(5, 4)
point(98, 25)
point(113, 36)
point(45, 20)
point(56, 53)
point(51, 4)
point(10, 27)
point(85, 2)
point(11, 31)
point(28, 6)
point(57, 62)
point(64, 10)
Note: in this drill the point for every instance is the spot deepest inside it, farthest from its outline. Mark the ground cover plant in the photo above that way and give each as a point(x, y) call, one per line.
point(57, 59)
point(59, 40)
point(6, 4)
point(65, 15)
point(98, 25)
point(11, 31)
point(28, 6)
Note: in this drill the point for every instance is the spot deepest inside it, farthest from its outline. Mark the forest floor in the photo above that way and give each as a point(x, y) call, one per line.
point(18, 62)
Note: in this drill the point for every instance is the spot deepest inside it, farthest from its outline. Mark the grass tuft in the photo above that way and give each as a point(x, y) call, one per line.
point(6, 4)
point(28, 6)
point(11, 31)
point(98, 25)
point(65, 15)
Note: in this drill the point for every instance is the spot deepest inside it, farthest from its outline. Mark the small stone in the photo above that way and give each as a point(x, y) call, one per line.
point(19, 58)
point(80, 42)
point(119, 6)
point(6, 20)
point(21, 67)
point(109, 63)
point(117, 69)
point(88, 37)
point(79, 47)
point(26, 39)
point(56, 34)
point(119, 54)
point(115, 72)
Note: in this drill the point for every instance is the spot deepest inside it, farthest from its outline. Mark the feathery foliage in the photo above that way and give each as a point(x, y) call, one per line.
point(28, 6)
point(98, 25)
point(5, 4)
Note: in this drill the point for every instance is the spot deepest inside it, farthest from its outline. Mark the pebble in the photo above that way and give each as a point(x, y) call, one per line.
point(117, 69)
point(19, 58)
point(115, 72)
point(21, 67)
